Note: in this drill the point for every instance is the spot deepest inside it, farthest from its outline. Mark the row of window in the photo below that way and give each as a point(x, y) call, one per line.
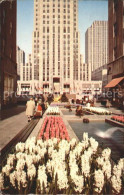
point(47, 22)
point(55, 0)
point(64, 16)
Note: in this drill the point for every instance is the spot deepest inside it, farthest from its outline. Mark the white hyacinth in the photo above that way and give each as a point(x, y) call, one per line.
point(42, 177)
point(20, 147)
point(73, 142)
point(105, 166)
point(106, 153)
point(107, 169)
point(85, 165)
point(1, 181)
point(94, 144)
point(99, 180)
point(31, 172)
point(53, 110)
point(29, 160)
point(79, 182)
point(116, 183)
point(10, 159)
point(119, 168)
point(121, 164)
point(13, 179)
point(20, 155)
point(62, 180)
point(20, 164)
point(21, 179)
point(6, 170)
point(98, 110)
point(85, 136)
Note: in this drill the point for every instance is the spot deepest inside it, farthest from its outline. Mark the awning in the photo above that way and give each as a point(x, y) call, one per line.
point(114, 82)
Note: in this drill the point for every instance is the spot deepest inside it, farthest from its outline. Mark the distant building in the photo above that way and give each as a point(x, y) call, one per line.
point(24, 84)
point(20, 60)
point(8, 66)
point(88, 88)
point(96, 44)
point(85, 70)
point(26, 70)
point(100, 74)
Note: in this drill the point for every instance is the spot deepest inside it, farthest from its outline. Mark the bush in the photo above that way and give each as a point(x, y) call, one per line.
point(64, 98)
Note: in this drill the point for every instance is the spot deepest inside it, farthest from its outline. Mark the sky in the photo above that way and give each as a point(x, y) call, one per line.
point(88, 12)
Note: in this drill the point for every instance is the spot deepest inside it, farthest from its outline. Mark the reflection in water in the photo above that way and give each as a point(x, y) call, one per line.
point(109, 132)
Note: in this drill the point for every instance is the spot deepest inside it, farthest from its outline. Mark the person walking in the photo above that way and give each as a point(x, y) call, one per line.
point(30, 108)
point(38, 109)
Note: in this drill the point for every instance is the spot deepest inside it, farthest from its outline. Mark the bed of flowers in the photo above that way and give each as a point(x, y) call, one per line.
point(53, 127)
point(100, 111)
point(53, 110)
point(118, 118)
point(61, 167)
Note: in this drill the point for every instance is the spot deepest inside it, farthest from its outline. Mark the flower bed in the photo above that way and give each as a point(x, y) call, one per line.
point(99, 111)
point(118, 118)
point(53, 127)
point(52, 167)
point(53, 110)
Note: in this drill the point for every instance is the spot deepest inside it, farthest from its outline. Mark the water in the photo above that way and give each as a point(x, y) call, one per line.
point(104, 133)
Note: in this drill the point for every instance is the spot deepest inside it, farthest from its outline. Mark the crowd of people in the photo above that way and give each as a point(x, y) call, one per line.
point(35, 107)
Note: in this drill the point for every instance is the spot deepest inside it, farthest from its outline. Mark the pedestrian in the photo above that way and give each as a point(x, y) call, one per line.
point(30, 108)
point(107, 104)
point(43, 107)
point(36, 100)
point(38, 109)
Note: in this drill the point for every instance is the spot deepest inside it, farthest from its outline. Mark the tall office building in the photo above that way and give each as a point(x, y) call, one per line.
point(8, 67)
point(56, 49)
point(20, 56)
point(116, 39)
point(96, 44)
point(26, 70)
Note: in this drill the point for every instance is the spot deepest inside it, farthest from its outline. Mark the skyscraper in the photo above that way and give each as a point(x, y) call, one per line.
point(20, 56)
point(96, 44)
point(56, 48)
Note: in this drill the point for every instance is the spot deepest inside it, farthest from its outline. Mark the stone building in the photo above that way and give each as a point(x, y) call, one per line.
point(56, 48)
point(116, 39)
point(116, 51)
point(20, 56)
point(8, 66)
point(100, 74)
point(96, 44)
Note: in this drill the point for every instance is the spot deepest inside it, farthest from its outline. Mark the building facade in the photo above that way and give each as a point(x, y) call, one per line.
point(96, 44)
point(90, 88)
point(116, 39)
point(26, 70)
point(25, 85)
point(20, 60)
point(85, 70)
point(56, 48)
point(116, 52)
point(8, 66)
point(100, 74)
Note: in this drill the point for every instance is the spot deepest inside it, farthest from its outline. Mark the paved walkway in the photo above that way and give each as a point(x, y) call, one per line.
point(11, 126)
point(7, 113)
